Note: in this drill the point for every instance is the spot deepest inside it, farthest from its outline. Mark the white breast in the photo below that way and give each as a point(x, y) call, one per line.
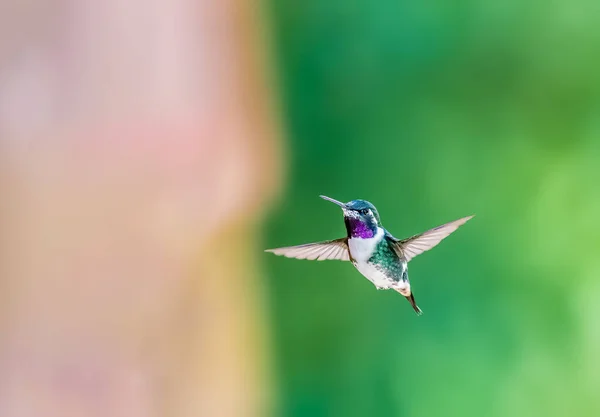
point(361, 251)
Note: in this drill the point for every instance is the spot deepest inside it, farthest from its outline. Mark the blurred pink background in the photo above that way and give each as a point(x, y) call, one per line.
point(138, 143)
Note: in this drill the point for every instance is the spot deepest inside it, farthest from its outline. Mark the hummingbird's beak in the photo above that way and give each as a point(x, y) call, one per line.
point(324, 197)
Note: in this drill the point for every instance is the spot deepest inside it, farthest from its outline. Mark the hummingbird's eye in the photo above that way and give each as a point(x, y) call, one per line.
point(364, 212)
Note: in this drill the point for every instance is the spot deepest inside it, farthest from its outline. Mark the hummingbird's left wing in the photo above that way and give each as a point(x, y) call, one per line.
point(331, 249)
point(416, 245)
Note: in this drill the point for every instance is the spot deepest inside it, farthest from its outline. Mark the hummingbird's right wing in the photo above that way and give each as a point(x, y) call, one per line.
point(320, 251)
point(416, 245)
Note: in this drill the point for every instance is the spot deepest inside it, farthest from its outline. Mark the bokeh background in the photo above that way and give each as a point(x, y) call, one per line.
point(150, 151)
point(433, 111)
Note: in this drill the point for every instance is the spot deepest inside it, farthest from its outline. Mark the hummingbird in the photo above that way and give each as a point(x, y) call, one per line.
point(376, 253)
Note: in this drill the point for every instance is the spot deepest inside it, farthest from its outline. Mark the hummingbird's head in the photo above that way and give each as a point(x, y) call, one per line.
point(360, 216)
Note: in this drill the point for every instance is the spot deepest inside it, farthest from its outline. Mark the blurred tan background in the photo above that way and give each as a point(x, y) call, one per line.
point(137, 143)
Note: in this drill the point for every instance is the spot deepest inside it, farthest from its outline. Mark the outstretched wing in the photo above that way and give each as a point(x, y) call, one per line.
point(416, 245)
point(331, 249)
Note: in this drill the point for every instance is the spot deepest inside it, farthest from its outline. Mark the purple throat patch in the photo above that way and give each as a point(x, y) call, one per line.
point(360, 229)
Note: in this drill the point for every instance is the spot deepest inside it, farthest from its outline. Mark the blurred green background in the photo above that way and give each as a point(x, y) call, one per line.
point(434, 111)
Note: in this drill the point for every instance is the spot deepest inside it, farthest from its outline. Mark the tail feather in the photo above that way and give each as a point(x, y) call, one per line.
point(411, 300)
